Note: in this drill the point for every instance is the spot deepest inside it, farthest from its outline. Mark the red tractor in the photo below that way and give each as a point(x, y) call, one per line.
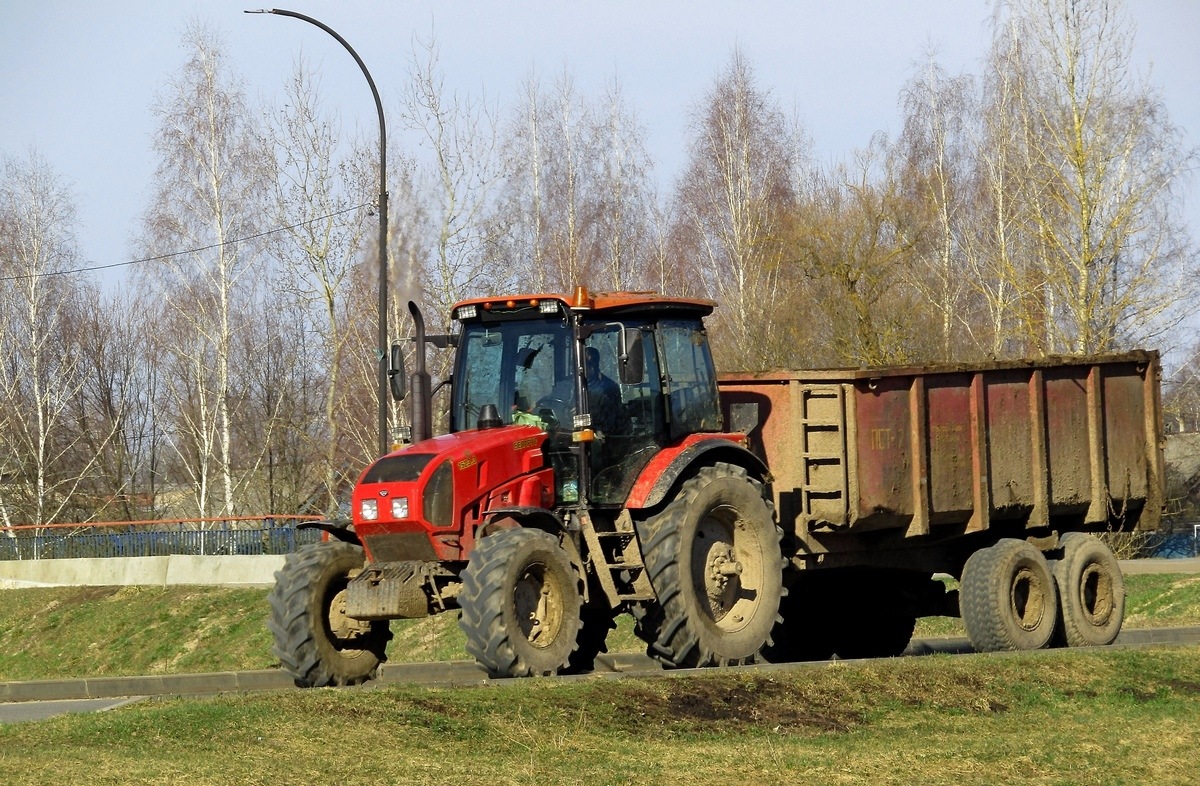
point(586, 472)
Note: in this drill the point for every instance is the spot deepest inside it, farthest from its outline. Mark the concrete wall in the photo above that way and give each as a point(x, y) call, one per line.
point(249, 571)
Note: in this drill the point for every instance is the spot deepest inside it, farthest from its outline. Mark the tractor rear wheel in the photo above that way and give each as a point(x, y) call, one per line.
point(714, 561)
point(314, 639)
point(1091, 592)
point(1007, 598)
point(520, 604)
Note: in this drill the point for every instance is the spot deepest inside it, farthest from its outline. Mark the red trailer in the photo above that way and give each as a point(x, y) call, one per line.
point(883, 476)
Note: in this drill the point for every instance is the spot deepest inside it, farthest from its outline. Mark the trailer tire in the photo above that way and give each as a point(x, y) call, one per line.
point(714, 561)
point(313, 638)
point(1007, 598)
point(521, 604)
point(1091, 592)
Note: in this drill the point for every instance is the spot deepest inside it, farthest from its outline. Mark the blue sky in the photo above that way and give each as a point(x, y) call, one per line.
point(77, 79)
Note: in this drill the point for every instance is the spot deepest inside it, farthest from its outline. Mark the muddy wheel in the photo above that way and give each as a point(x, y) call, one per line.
point(520, 604)
point(713, 558)
point(1091, 592)
point(1007, 598)
point(314, 639)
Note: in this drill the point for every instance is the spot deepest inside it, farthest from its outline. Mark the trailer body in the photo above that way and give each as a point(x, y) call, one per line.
point(869, 464)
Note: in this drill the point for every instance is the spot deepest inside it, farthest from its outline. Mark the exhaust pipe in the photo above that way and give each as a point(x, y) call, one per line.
point(421, 415)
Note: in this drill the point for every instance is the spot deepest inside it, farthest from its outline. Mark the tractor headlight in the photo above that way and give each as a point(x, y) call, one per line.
point(400, 507)
point(369, 510)
point(466, 312)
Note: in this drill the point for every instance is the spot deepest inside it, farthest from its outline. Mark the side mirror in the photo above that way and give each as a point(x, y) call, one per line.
point(633, 358)
point(396, 375)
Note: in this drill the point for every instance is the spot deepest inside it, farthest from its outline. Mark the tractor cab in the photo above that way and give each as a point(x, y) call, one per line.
point(611, 379)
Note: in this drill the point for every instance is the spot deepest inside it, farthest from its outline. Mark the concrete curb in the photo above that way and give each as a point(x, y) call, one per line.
point(177, 569)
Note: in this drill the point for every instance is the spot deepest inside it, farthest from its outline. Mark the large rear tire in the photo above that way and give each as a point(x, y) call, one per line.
point(521, 604)
point(714, 562)
point(1091, 592)
point(314, 639)
point(1008, 598)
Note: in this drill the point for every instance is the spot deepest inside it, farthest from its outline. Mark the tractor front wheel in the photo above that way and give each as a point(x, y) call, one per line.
point(314, 639)
point(521, 604)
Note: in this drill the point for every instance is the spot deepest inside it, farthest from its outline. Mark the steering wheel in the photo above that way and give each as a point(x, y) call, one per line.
point(553, 410)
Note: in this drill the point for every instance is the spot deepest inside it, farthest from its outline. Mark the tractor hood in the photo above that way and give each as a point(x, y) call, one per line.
point(423, 502)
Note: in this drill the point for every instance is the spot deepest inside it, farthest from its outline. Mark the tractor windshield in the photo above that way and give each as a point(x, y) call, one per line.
point(524, 367)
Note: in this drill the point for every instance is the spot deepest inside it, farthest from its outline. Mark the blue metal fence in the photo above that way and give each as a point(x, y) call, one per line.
point(141, 541)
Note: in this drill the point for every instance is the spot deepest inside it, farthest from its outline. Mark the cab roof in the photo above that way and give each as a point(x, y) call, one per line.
point(601, 302)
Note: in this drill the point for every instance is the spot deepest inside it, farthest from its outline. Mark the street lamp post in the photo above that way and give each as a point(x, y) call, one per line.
point(382, 349)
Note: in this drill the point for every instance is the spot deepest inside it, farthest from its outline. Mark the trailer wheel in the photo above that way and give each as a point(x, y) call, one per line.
point(520, 604)
point(314, 639)
point(1091, 592)
point(714, 561)
point(1007, 598)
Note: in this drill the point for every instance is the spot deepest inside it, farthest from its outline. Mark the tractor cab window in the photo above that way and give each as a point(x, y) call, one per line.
point(691, 379)
point(513, 365)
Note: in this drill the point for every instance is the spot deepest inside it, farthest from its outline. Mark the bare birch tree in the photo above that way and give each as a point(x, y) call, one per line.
point(208, 195)
point(458, 166)
point(321, 190)
point(938, 179)
point(1103, 164)
point(740, 179)
point(41, 376)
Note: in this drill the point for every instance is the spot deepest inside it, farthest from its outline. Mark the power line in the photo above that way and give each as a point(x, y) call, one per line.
point(161, 257)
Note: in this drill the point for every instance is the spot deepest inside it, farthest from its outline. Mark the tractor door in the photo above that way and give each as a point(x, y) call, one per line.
point(631, 417)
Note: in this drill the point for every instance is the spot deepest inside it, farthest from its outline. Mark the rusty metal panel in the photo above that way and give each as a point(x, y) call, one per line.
point(1067, 440)
point(885, 461)
point(1127, 465)
point(951, 457)
point(1071, 441)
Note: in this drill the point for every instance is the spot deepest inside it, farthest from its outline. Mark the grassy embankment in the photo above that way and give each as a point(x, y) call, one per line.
point(95, 631)
point(1082, 716)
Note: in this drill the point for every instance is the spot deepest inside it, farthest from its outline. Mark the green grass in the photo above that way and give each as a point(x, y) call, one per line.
point(1086, 717)
point(100, 631)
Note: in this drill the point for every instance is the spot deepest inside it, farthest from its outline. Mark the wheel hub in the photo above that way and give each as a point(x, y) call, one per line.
point(342, 626)
point(1028, 600)
point(1096, 589)
point(538, 606)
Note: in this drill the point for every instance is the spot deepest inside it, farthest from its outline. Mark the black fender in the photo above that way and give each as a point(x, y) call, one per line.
point(339, 530)
point(674, 465)
point(525, 516)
